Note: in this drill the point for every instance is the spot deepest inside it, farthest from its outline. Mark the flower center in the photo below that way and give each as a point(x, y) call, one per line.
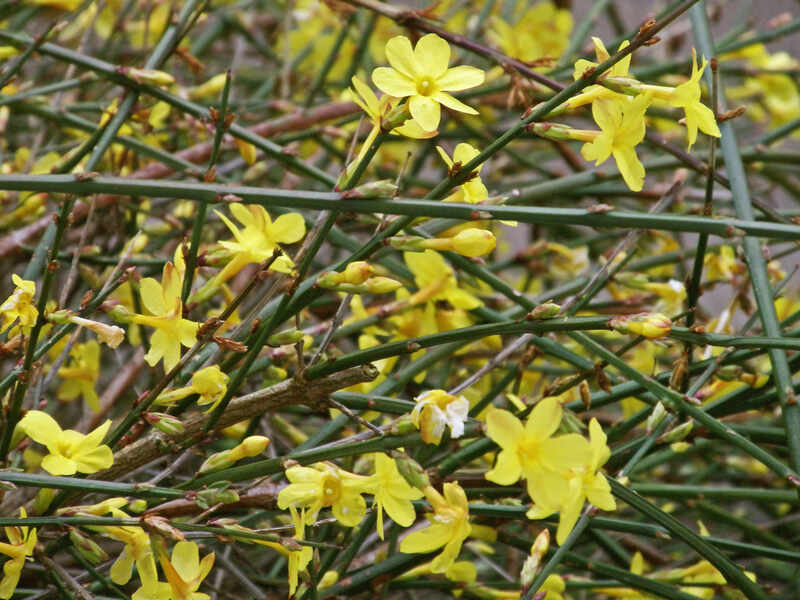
point(331, 489)
point(425, 86)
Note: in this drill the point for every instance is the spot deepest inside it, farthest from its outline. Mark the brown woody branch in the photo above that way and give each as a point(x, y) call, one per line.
point(291, 391)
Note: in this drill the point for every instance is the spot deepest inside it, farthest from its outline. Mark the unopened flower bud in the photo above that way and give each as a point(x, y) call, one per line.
point(165, 423)
point(381, 285)
point(327, 580)
point(86, 547)
point(212, 496)
point(212, 87)
point(151, 76)
point(137, 506)
point(217, 461)
point(249, 447)
point(655, 418)
point(357, 272)
point(678, 433)
point(412, 472)
point(474, 242)
point(282, 338)
point(649, 325)
point(383, 188)
point(531, 566)
point(547, 310)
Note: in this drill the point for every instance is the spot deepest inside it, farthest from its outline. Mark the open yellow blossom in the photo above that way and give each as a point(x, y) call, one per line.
point(595, 91)
point(254, 243)
point(449, 527)
point(472, 191)
point(137, 551)
point(324, 485)
point(21, 542)
point(531, 451)
point(422, 75)
point(435, 410)
point(376, 109)
point(436, 280)
point(541, 34)
point(298, 559)
point(622, 128)
point(587, 483)
point(210, 383)
point(687, 97)
point(163, 302)
point(185, 571)
point(392, 493)
point(70, 452)
point(80, 375)
point(19, 305)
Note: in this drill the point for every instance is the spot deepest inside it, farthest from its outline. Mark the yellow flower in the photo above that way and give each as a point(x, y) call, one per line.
point(449, 527)
point(472, 191)
point(649, 325)
point(435, 410)
point(211, 384)
point(163, 302)
point(250, 446)
point(422, 75)
point(255, 243)
point(298, 559)
point(392, 493)
point(376, 109)
point(70, 452)
point(19, 305)
point(587, 483)
point(111, 335)
point(137, 551)
point(723, 265)
point(21, 542)
point(540, 34)
point(672, 295)
point(687, 97)
point(533, 453)
point(622, 125)
point(81, 374)
point(593, 92)
point(323, 485)
point(185, 571)
point(436, 280)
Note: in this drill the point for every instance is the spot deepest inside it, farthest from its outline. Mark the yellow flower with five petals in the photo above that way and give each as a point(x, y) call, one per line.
point(70, 452)
point(531, 451)
point(622, 127)
point(423, 75)
point(449, 527)
point(21, 542)
point(163, 302)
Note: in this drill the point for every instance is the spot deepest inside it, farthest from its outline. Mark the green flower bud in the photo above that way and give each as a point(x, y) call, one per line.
point(165, 423)
point(282, 338)
point(213, 496)
point(547, 310)
point(655, 418)
point(412, 472)
point(678, 433)
point(87, 547)
point(219, 460)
